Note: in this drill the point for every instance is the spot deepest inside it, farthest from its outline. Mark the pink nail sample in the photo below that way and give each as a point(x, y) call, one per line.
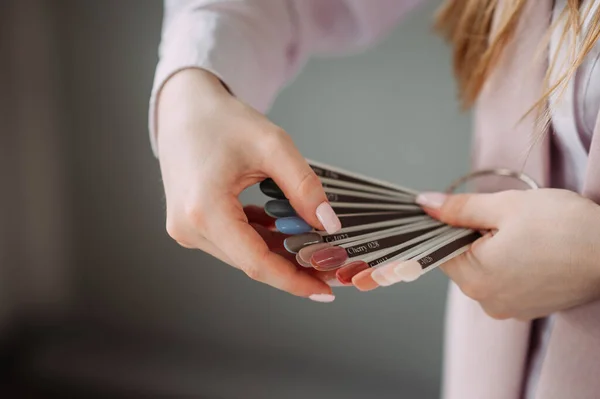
point(329, 258)
point(345, 273)
point(306, 253)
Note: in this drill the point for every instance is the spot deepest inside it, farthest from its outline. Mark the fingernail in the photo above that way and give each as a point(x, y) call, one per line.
point(408, 271)
point(384, 275)
point(431, 200)
point(325, 298)
point(292, 225)
point(328, 218)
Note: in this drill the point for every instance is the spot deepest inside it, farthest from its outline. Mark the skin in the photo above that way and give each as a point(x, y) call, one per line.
point(542, 254)
point(211, 147)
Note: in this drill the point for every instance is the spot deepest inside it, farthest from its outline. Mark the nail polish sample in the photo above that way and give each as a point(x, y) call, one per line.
point(431, 200)
point(301, 262)
point(363, 280)
point(292, 225)
point(271, 189)
point(328, 218)
point(345, 273)
point(295, 243)
point(324, 298)
point(279, 209)
point(306, 253)
point(385, 275)
point(408, 271)
point(329, 258)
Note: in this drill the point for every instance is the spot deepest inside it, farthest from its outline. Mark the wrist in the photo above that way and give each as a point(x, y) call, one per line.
point(196, 82)
point(186, 93)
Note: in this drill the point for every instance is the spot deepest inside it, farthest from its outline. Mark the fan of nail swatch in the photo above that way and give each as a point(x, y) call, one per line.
point(385, 236)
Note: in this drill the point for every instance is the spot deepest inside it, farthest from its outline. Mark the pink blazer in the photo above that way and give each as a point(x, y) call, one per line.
point(486, 358)
point(256, 46)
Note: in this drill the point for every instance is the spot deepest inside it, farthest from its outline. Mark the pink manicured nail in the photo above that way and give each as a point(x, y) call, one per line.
point(431, 200)
point(325, 298)
point(328, 218)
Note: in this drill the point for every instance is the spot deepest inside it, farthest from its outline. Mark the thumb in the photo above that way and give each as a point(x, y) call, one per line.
point(467, 270)
point(302, 188)
point(475, 211)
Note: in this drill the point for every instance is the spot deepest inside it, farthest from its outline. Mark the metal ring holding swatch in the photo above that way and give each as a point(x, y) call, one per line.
point(493, 172)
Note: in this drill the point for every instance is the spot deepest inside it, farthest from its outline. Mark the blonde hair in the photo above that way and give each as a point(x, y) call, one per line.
point(466, 25)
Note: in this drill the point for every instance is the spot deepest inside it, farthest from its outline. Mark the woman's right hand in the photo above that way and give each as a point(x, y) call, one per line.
point(211, 147)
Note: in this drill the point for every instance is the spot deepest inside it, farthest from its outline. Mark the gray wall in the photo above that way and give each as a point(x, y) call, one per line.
point(208, 328)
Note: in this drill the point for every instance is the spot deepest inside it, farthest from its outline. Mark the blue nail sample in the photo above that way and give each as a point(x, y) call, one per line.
point(279, 209)
point(292, 225)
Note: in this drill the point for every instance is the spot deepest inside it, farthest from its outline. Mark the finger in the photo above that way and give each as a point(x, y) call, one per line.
point(476, 211)
point(287, 256)
point(227, 228)
point(301, 186)
point(273, 239)
point(468, 269)
point(257, 214)
point(496, 311)
point(184, 234)
point(328, 277)
point(203, 245)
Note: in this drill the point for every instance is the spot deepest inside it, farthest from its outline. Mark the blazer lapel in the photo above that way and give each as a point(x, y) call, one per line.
point(570, 366)
point(502, 140)
point(591, 187)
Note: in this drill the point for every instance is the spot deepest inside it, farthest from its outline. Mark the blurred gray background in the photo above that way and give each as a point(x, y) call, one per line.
point(134, 313)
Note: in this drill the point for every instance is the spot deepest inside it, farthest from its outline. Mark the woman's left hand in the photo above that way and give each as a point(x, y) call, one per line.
point(542, 253)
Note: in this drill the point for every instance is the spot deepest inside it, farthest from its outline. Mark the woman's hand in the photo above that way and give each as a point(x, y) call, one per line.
point(211, 147)
point(542, 253)
point(265, 226)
